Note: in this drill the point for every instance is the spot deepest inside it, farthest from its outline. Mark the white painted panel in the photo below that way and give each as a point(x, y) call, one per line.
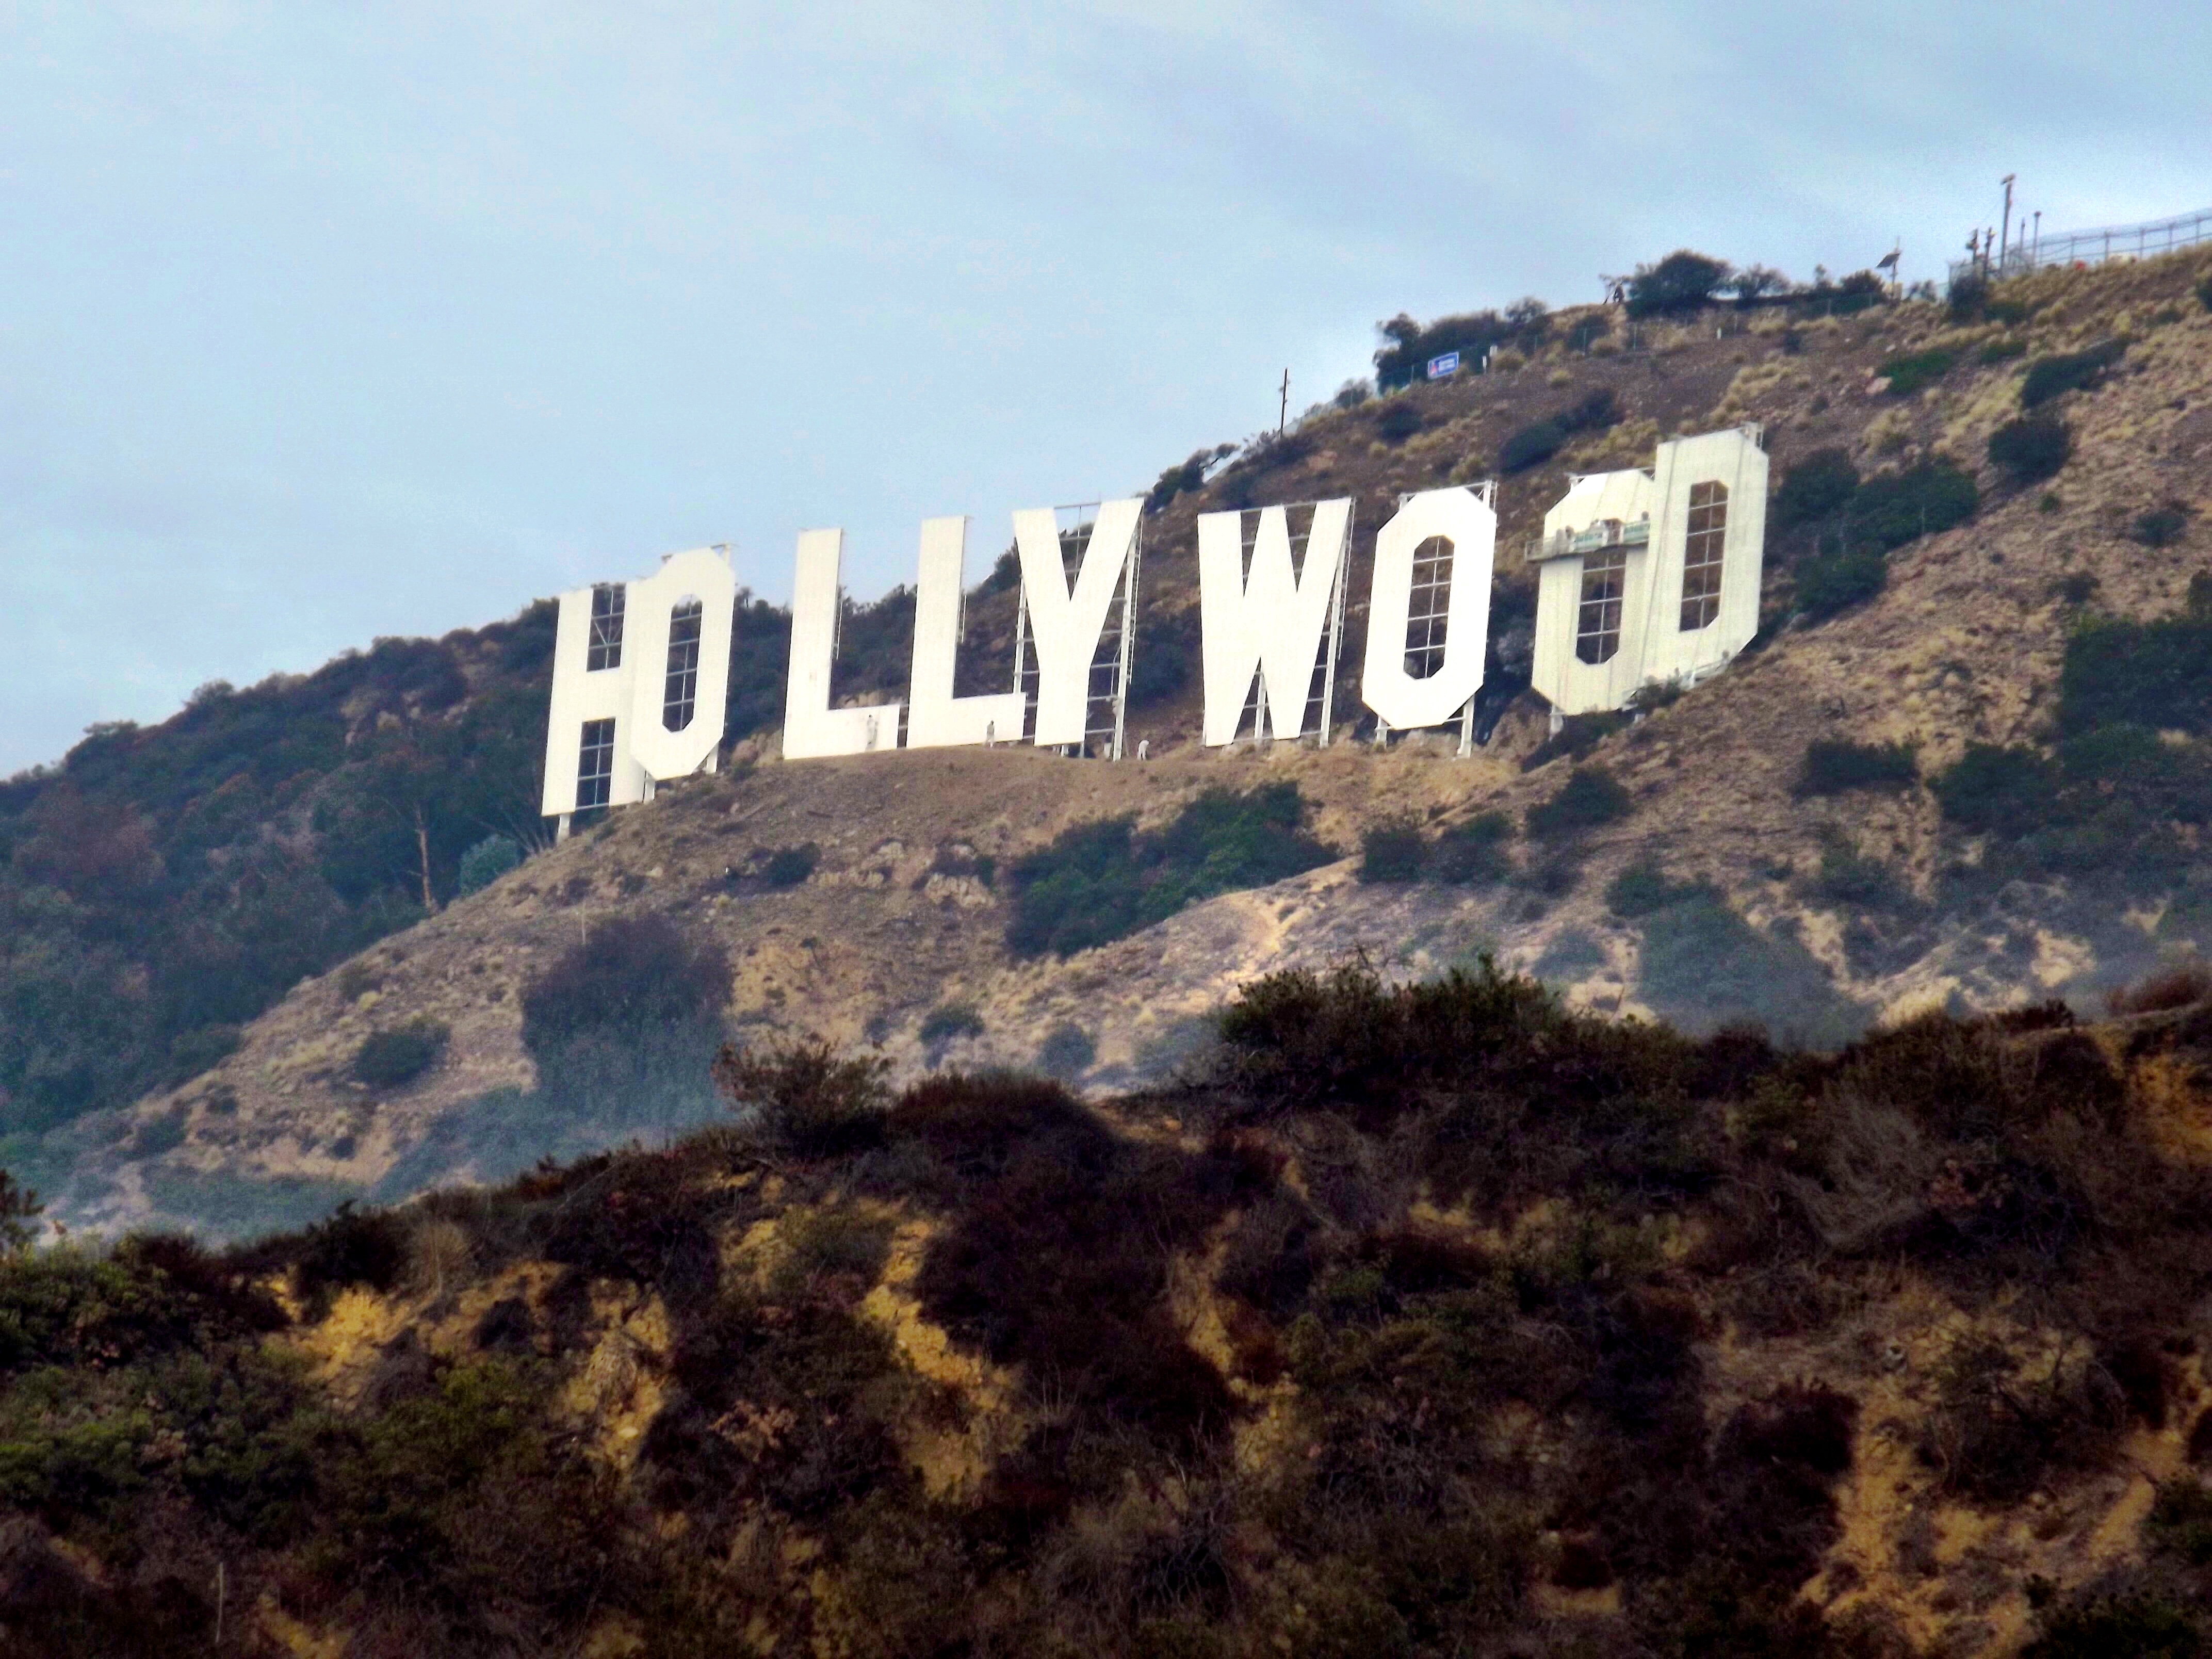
point(1065, 623)
point(580, 695)
point(1269, 622)
point(702, 574)
point(1471, 526)
point(812, 729)
point(937, 719)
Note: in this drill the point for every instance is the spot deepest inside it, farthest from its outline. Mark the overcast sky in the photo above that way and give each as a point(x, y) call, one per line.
point(319, 322)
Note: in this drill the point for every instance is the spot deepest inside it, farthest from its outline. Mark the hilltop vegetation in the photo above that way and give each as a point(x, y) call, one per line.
point(1396, 1329)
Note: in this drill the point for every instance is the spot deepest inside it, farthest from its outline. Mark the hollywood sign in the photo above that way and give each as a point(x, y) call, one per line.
point(1645, 576)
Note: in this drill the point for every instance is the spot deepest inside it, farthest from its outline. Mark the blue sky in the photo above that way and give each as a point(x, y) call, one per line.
point(319, 323)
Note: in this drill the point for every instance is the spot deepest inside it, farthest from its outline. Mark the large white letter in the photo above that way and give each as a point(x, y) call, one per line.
point(680, 618)
point(811, 727)
point(936, 719)
point(1462, 518)
point(1270, 622)
point(1064, 626)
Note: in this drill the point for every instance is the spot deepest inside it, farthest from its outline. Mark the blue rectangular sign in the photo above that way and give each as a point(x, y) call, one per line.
point(1439, 367)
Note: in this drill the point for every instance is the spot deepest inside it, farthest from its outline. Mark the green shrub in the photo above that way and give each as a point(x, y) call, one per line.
point(2051, 377)
point(486, 862)
point(400, 1053)
point(1833, 765)
point(2003, 351)
point(2162, 527)
point(1892, 508)
point(1909, 374)
point(1682, 282)
point(1969, 292)
point(1820, 484)
point(2031, 448)
point(1102, 881)
point(789, 866)
point(1393, 851)
point(948, 1020)
point(1474, 851)
point(1832, 581)
point(2006, 790)
point(2157, 675)
point(1591, 797)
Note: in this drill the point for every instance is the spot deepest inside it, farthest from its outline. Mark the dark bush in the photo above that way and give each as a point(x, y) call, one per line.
point(1833, 765)
point(1395, 850)
point(789, 866)
point(1817, 486)
point(2051, 377)
point(2162, 527)
point(352, 1247)
point(1969, 292)
point(2000, 790)
point(630, 973)
point(1575, 737)
point(1892, 508)
point(948, 1020)
point(1531, 445)
point(1474, 851)
point(400, 1053)
point(2031, 448)
point(1591, 797)
point(803, 1095)
point(1642, 888)
point(1066, 1052)
point(2137, 1626)
point(1681, 282)
point(1398, 421)
point(1829, 582)
point(1909, 374)
point(1540, 440)
point(2154, 675)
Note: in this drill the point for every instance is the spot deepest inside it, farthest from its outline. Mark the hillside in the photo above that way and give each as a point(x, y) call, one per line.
point(1435, 1320)
point(2015, 839)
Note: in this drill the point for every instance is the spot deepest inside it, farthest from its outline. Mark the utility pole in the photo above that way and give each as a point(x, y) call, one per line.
point(2006, 243)
point(2035, 248)
point(1283, 418)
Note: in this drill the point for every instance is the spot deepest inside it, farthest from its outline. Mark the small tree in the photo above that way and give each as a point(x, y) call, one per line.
point(1682, 282)
point(803, 1095)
